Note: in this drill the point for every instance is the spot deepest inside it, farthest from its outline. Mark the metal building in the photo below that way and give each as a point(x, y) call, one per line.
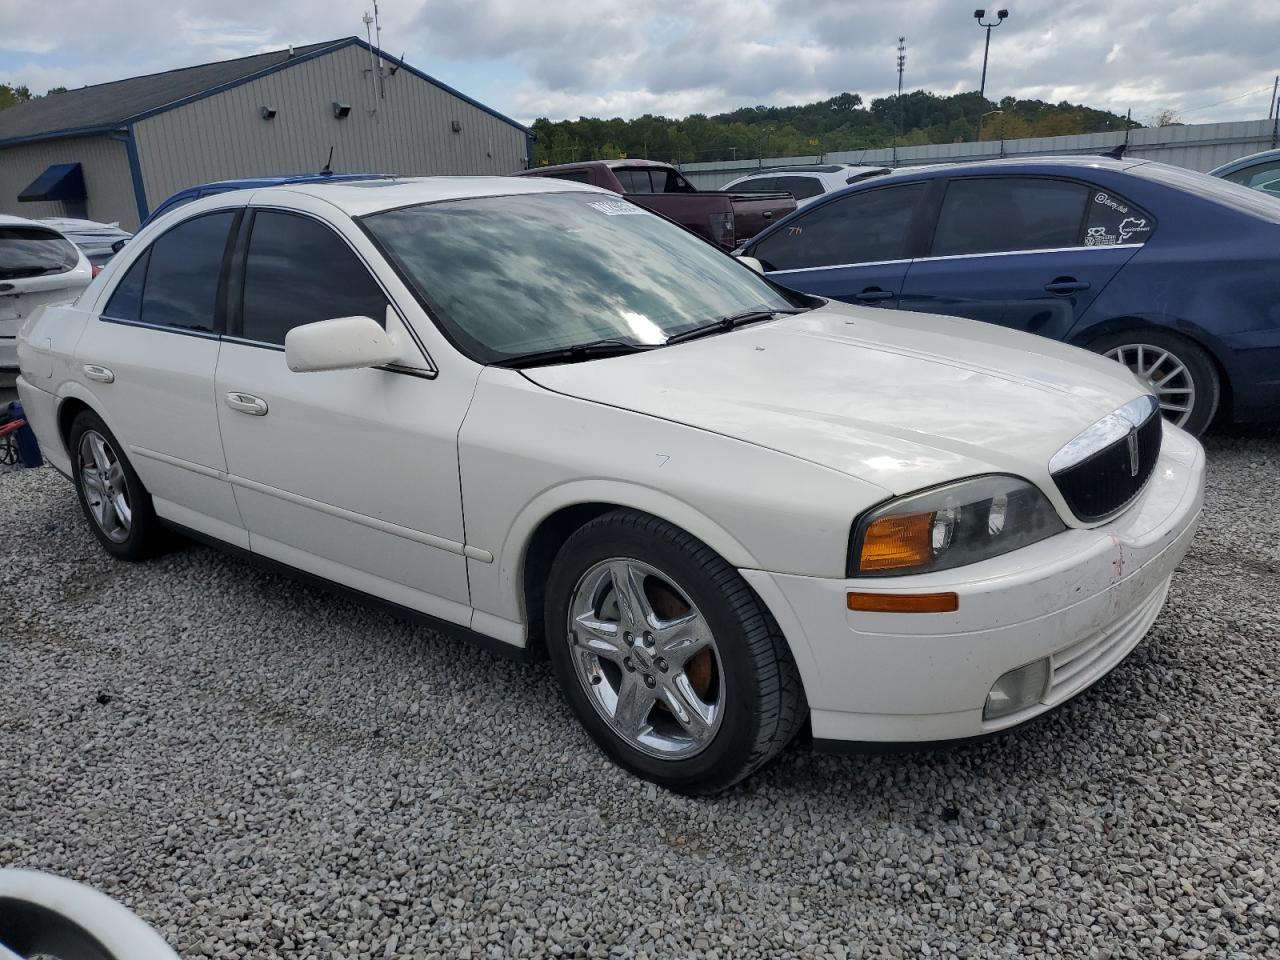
point(113, 151)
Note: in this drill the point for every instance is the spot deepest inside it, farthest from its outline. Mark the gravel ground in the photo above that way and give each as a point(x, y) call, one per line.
point(263, 770)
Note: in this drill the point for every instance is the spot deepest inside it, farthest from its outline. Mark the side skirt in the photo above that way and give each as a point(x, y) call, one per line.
point(452, 630)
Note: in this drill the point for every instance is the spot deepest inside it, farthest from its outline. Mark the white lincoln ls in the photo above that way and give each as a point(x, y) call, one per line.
point(558, 423)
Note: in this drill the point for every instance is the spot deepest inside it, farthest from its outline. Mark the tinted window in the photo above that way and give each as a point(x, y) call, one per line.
point(1009, 213)
point(634, 181)
point(1258, 176)
point(181, 289)
point(799, 187)
point(754, 185)
point(299, 271)
point(1113, 219)
point(34, 252)
point(577, 176)
point(859, 228)
point(126, 299)
point(507, 276)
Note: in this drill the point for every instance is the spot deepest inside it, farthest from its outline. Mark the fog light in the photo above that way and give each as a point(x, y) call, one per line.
point(1017, 690)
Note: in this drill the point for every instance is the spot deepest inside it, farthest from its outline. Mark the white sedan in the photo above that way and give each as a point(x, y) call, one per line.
point(561, 424)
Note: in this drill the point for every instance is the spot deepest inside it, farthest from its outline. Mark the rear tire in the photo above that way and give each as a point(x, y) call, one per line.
point(115, 503)
point(1180, 373)
point(681, 675)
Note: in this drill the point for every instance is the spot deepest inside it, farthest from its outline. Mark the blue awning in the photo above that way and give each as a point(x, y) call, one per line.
point(61, 181)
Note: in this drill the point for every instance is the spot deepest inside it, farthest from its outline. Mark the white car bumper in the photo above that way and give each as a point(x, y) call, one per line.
point(1082, 599)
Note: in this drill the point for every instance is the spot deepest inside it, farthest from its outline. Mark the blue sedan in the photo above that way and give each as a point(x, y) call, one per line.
point(1173, 273)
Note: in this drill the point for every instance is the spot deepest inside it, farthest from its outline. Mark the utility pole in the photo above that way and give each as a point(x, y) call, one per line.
point(902, 63)
point(978, 15)
point(1273, 106)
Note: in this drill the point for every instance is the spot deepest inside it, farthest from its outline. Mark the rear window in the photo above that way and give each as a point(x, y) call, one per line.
point(1255, 203)
point(34, 252)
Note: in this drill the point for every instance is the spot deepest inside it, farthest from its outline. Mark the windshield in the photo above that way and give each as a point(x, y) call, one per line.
point(32, 252)
point(515, 275)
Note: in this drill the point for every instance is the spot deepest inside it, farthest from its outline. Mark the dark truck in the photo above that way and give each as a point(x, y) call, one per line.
point(726, 219)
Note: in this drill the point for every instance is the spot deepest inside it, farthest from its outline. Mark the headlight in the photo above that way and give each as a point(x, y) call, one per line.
point(950, 526)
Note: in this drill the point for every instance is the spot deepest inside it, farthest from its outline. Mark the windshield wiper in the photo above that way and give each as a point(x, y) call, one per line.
point(594, 350)
point(724, 324)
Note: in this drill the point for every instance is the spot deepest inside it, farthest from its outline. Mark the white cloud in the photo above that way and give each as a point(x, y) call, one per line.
point(622, 57)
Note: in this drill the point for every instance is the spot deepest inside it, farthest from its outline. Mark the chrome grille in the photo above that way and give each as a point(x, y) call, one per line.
point(1103, 469)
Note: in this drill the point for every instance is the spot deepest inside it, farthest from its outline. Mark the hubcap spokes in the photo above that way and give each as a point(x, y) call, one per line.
point(105, 490)
point(1167, 376)
point(646, 658)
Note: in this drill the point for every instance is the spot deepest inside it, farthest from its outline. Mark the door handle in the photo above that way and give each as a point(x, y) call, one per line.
point(96, 372)
point(1066, 285)
point(247, 403)
point(874, 295)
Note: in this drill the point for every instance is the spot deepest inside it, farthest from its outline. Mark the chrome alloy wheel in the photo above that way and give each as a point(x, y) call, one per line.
point(103, 483)
point(1167, 376)
point(646, 658)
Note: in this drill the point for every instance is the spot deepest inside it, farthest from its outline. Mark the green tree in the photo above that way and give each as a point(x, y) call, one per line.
point(11, 96)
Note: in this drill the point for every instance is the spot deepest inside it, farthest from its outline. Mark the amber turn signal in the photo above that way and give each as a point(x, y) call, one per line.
point(904, 602)
point(891, 543)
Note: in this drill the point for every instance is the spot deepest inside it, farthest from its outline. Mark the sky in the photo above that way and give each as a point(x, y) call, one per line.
point(1207, 60)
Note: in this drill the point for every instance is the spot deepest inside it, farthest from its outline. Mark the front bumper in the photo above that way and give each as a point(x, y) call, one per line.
point(1083, 599)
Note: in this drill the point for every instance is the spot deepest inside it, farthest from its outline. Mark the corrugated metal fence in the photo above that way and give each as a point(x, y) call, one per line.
point(1201, 146)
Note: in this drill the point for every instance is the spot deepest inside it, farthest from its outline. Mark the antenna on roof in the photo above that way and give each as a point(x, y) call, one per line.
point(328, 164)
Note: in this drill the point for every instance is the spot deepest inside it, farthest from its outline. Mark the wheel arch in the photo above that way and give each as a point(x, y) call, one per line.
point(541, 528)
point(72, 399)
point(1186, 329)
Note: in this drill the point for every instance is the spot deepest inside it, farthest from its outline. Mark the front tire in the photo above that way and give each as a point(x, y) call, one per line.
point(667, 657)
point(115, 503)
point(1180, 374)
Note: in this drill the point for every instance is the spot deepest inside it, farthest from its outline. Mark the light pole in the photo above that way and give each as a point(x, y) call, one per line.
point(1000, 18)
point(989, 113)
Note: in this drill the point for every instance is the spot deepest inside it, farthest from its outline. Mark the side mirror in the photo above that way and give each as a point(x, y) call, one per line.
point(118, 246)
point(344, 343)
point(752, 262)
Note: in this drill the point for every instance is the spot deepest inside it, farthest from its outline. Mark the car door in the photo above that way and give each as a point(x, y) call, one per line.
point(1026, 252)
point(855, 247)
point(351, 475)
point(149, 359)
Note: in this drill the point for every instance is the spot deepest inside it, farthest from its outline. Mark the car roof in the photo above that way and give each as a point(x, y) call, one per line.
point(360, 197)
point(1008, 165)
point(7, 220)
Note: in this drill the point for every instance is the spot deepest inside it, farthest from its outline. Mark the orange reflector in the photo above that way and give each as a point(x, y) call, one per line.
point(893, 542)
point(904, 602)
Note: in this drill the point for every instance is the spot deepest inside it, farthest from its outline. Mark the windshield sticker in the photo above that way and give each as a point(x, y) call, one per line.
point(1098, 237)
point(1110, 203)
point(794, 230)
point(1132, 225)
point(616, 208)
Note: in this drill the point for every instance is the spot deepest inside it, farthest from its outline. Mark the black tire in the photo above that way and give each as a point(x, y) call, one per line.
point(145, 535)
point(763, 699)
point(1202, 371)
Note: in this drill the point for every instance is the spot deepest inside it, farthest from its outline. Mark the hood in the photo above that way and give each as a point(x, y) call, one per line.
point(902, 400)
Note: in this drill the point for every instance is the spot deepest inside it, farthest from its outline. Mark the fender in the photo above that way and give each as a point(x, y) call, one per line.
point(511, 555)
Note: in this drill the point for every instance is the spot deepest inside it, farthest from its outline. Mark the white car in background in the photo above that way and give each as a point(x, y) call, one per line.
point(38, 265)
point(805, 182)
point(97, 240)
point(554, 421)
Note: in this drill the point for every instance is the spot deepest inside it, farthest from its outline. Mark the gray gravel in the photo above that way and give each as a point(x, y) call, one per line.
point(263, 770)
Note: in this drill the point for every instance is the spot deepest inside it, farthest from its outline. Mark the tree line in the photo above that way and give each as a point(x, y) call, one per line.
point(841, 122)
